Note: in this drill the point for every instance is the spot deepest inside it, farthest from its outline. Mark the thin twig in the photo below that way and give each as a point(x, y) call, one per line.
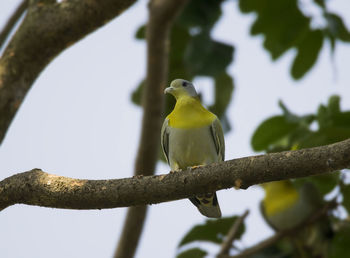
point(231, 235)
point(12, 21)
point(261, 245)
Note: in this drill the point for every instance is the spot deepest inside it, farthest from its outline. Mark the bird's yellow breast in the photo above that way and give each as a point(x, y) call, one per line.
point(279, 197)
point(189, 113)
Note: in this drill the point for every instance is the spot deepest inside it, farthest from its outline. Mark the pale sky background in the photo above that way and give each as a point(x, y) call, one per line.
point(78, 121)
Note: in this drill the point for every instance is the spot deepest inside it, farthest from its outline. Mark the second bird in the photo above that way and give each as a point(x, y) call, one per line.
point(192, 136)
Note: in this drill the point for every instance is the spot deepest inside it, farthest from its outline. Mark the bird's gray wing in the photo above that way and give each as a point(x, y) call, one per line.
point(311, 195)
point(164, 139)
point(263, 213)
point(218, 137)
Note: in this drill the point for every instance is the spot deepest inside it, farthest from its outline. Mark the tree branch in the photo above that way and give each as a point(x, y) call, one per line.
point(39, 188)
point(231, 235)
point(47, 29)
point(12, 21)
point(161, 15)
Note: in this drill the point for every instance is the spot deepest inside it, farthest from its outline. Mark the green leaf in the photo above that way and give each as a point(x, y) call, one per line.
point(141, 32)
point(201, 53)
point(224, 86)
point(308, 50)
point(136, 95)
point(179, 39)
point(298, 136)
point(200, 14)
point(303, 121)
point(192, 253)
point(336, 27)
point(325, 183)
point(342, 119)
point(321, 3)
point(334, 105)
point(223, 93)
point(336, 134)
point(345, 190)
point(289, 116)
point(333, 126)
point(212, 231)
point(247, 6)
point(284, 27)
point(330, 115)
point(340, 246)
point(325, 136)
point(275, 19)
point(312, 139)
point(271, 131)
point(323, 118)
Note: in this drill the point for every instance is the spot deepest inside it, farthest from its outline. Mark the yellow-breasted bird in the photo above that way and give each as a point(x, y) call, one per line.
point(285, 206)
point(192, 136)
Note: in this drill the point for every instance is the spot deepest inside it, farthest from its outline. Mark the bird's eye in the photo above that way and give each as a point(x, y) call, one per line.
point(184, 84)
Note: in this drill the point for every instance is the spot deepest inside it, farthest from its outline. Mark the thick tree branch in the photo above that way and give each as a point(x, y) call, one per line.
point(47, 29)
point(161, 16)
point(12, 21)
point(38, 188)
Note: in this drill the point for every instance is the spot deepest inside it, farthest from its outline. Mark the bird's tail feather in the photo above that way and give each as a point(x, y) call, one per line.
point(208, 205)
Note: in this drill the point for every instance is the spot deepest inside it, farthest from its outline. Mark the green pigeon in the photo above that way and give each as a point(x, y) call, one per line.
point(285, 206)
point(192, 136)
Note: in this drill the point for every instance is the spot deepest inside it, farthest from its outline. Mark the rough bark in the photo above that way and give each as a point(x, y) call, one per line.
point(39, 188)
point(47, 29)
point(161, 15)
point(10, 24)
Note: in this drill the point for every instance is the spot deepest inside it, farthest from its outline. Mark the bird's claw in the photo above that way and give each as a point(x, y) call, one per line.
point(195, 167)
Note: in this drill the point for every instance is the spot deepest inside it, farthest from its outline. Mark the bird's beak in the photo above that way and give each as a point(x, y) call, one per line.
point(168, 90)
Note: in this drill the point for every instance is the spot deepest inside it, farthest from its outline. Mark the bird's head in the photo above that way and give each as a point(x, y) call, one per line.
point(180, 88)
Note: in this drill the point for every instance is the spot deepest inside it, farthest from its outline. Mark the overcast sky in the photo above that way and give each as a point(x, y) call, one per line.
point(78, 121)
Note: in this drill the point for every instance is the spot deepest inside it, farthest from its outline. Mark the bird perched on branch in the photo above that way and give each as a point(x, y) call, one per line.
point(192, 136)
point(285, 206)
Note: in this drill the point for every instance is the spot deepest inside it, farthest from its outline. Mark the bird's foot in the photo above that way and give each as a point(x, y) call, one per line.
point(195, 167)
point(175, 170)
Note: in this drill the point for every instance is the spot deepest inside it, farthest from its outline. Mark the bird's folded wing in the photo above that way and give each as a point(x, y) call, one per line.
point(218, 137)
point(164, 140)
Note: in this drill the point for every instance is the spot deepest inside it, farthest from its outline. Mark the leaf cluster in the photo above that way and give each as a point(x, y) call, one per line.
point(285, 26)
point(194, 52)
point(290, 131)
point(212, 231)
